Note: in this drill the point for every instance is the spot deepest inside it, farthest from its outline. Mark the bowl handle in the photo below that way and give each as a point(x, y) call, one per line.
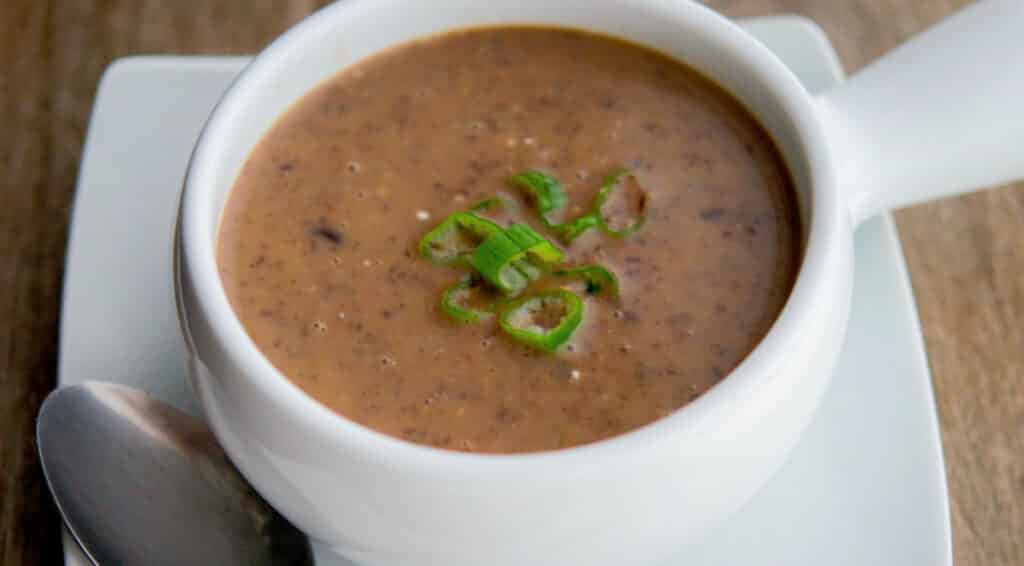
point(940, 115)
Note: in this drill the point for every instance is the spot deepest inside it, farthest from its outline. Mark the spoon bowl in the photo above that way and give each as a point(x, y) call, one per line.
point(140, 482)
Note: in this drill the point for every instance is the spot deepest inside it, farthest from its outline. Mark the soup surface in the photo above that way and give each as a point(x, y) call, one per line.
point(318, 243)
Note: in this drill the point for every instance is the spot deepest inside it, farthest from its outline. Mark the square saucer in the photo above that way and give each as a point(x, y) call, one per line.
point(866, 485)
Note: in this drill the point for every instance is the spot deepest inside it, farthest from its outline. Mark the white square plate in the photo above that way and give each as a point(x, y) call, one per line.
point(866, 486)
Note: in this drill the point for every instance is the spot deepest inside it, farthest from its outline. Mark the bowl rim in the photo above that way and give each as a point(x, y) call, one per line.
point(827, 228)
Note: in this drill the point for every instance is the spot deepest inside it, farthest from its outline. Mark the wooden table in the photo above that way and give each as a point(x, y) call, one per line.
point(966, 255)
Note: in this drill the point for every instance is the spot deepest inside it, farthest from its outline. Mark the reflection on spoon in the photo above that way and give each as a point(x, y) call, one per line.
point(140, 482)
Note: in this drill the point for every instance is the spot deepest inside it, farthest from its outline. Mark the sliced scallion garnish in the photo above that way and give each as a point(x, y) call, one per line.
point(547, 193)
point(500, 210)
point(454, 302)
point(506, 260)
point(536, 247)
point(544, 321)
point(511, 258)
point(569, 231)
point(616, 184)
point(598, 279)
point(456, 237)
point(489, 204)
point(495, 261)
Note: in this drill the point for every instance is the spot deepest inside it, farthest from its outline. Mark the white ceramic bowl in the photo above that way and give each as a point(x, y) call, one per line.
point(638, 497)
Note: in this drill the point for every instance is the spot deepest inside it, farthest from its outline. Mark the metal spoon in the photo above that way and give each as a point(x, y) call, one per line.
point(140, 482)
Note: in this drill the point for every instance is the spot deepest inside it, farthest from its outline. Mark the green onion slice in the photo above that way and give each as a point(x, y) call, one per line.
point(598, 279)
point(511, 258)
point(496, 209)
point(569, 231)
point(454, 302)
point(488, 204)
point(544, 321)
point(617, 183)
point(452, 242)
point(547, 193)
point(536, 247)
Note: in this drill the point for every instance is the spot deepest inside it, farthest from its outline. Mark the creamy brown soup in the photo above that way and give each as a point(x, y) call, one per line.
point(318, 244)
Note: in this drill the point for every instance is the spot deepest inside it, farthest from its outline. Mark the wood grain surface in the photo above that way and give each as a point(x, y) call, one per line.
point(966, 255)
